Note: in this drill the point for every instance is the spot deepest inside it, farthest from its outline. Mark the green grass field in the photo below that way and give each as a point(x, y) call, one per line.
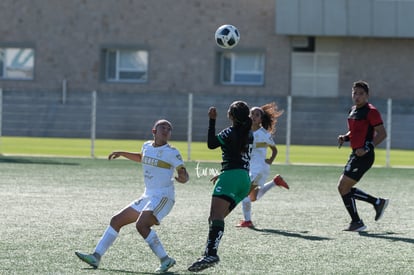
point(299, 154)
point(52, 207)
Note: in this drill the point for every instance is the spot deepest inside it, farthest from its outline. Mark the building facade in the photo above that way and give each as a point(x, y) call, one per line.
point(158, 52)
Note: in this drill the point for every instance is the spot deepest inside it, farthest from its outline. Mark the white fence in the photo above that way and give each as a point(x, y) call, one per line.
point(191, 120)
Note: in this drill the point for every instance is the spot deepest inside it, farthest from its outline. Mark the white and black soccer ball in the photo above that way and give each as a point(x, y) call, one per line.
point(227, 36)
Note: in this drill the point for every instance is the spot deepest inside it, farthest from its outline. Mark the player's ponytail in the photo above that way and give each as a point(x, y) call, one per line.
point(270, 113)
point(239, 110)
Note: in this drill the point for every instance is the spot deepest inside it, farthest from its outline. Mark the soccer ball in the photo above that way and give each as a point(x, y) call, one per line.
point(227, 36)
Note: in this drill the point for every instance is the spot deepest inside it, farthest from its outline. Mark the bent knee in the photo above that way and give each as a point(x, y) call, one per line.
point(116, 223)
point(345, 185)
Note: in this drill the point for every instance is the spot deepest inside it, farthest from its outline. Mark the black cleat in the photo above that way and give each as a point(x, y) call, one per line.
point(356, 226)
point(203, 263)
point(379, 208)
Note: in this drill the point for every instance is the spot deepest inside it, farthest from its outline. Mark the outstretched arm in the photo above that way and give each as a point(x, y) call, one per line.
point(131, 156)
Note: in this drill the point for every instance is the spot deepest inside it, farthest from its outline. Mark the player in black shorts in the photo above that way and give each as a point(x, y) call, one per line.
point(365, 131)
point(233, 183)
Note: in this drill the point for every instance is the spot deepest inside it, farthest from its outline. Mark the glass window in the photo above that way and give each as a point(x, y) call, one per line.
point(126, 65)
point(241, 68)
point(315, 72)
point(16, 63)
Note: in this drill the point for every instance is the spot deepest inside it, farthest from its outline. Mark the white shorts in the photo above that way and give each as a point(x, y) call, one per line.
point(259, 174)
point(160, 206)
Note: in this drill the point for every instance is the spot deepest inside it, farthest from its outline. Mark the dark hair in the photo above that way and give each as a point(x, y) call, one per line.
point(240, 111)
point(270, 113)
point(361, 84)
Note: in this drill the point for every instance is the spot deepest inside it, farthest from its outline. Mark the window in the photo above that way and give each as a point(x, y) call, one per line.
point(16, 63)
point(126, 65)
point(241, 68)
point(315, 73)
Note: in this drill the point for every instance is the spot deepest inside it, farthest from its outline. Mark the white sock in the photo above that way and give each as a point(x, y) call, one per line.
point(106, 240)
point(247, 208)
point(155, 245)
point(265, 188)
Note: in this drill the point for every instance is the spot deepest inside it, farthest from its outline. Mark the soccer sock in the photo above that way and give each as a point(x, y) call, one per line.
point(350, 205)
point(215, 233)
point(361, 195)
point(265, 188)
point(247, 207)
point(106, 240)
point(155, 245)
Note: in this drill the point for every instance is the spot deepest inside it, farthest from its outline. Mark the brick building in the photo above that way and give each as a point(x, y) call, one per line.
point(145, 57)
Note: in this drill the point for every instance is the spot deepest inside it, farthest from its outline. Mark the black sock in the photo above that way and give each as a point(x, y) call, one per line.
point(361, 195)
point(349, 203)
point(214, 236)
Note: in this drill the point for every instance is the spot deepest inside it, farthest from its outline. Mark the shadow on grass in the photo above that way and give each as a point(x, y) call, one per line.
point(387, 236)
point(17, 160)
point(301, 235)
point(123, 271)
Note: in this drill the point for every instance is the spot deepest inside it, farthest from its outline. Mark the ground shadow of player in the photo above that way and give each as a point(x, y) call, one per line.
point(387, 236)
point(123, 271)
point(30, 160)
point(285, 233)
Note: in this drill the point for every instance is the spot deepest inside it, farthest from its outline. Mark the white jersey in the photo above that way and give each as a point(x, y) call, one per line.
point(259, 169)
point(262, 139)
point(159, 164)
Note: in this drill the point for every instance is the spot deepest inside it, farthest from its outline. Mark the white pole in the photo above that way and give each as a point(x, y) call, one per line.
point(190, 125)
point(389, 122)
point(288, 127)
point(93, 124)
point(64, 89)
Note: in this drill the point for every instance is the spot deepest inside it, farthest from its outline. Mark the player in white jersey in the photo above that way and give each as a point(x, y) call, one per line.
point(264, 120)
point(159, 161)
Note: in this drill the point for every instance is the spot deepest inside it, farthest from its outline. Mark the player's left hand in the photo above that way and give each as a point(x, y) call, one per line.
point(183, 176)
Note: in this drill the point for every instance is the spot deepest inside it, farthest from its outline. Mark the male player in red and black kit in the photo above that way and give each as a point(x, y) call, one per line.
point(365, 131)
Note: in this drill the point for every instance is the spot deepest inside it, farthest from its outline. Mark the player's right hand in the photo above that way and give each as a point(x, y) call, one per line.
point(212, 112)
point(114, 155)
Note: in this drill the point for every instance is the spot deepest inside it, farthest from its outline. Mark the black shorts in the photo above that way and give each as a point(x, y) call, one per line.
point(356, 166)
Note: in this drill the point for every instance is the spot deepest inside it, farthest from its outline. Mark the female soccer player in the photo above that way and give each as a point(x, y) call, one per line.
point(264, 120)
point(365, 131)
point(233, 183)
point(159, 160)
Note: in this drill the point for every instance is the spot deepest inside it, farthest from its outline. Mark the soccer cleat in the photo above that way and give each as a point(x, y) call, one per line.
point(279, 181)
point(243, 223)
point(379, 208)
point(90, 259)
point(165, 265)
point(203, 263)
point(356, 226)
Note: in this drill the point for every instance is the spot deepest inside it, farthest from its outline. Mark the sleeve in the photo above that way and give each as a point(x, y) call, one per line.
point(270, 140)
point(374, 118)
point(212, 140)
point(176, 159)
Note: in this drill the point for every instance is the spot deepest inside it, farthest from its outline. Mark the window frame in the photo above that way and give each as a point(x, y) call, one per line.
point(7, 70)
point(118, 69)
point(320, 80)
point(232, 59)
